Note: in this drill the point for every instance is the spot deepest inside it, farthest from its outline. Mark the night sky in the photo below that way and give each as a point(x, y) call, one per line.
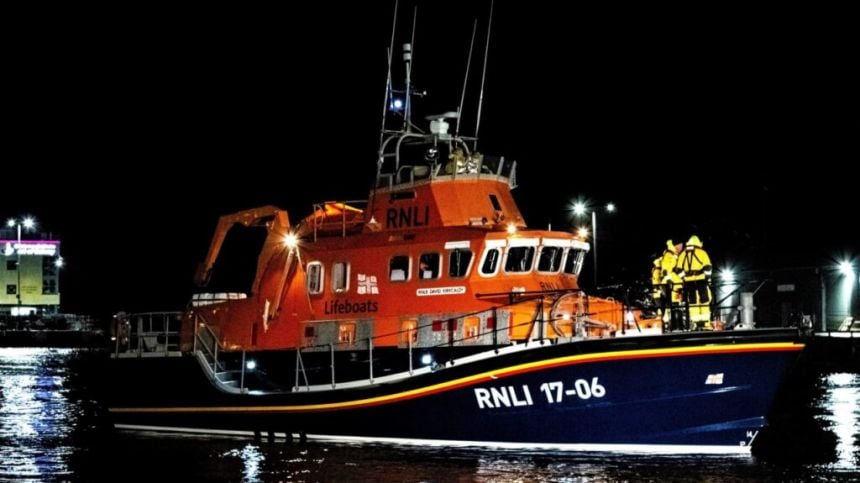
point(127, 133)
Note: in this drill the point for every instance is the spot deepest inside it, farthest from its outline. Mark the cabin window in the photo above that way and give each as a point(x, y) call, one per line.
point(346, 333)
point(519, 259)
point(11, 289)
point(495, 202)
point(471, 329)
point(490, 265)
point(11, 265)
point(398, 268)
point(459, 261)
point(409, 332)
point(315, 278)
point(549, 260)
point(573, 263)
point(340, 277)
point(429, 266)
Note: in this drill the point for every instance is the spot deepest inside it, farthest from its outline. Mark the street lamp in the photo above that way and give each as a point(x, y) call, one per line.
point(28, 223)
point(845, 293)
point(580, 208)
point(843, 299)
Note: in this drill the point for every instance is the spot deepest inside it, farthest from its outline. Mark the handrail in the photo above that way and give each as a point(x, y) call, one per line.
point(300, 364)
point(319, 219)
point(389, 161)
point(226, 377)
point(533, 296)
point(207, 349)
point(213, 342)
point(302, 380)
point(147, 333)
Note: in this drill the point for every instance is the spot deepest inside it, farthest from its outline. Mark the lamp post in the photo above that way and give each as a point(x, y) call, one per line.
point(580, 208)
point(28, 223)
point(845, 290)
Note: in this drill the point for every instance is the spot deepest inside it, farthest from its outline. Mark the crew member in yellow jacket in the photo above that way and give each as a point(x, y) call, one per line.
point(672, 286)
point(657, 287)
point(694, 269)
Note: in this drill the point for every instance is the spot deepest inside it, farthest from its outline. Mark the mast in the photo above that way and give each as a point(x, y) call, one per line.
point(483, 77)
point(388, 79)
point(465, 80)
point(407, 62)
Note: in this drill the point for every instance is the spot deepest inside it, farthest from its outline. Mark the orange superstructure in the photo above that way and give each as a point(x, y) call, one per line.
point(437, 244)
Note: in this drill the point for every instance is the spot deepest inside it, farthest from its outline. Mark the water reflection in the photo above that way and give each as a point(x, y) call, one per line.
point(251, 459)
point(35, 417)
point(842, 402)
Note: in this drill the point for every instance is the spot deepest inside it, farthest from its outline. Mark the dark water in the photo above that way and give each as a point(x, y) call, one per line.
point(51, 429)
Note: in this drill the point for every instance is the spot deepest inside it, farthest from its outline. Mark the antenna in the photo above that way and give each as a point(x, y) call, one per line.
point(414, 22)
point(483, 77)
point(407, 61)
point(388, 80)
point(465, 79)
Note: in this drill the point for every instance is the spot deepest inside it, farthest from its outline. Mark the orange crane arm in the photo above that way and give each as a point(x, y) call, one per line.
point(275, 219)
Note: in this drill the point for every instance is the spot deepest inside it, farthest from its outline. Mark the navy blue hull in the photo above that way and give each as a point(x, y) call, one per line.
point(681, 392)
point(656, 401)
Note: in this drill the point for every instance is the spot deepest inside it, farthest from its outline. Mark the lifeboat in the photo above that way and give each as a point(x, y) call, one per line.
point(432, 314)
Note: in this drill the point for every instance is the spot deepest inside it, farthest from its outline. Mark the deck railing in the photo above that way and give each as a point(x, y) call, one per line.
point(146, 334)
point(157, 333)
point(567, 328)
point(227, 373)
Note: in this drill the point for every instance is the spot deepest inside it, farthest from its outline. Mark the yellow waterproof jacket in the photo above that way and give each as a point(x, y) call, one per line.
point(657, 279)
point(694, 263)
point(668, 263)
point(657, 272)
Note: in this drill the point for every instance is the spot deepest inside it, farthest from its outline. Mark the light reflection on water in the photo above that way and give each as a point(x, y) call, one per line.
point(842, 403)
point(251, 457)
point(50, 430)
point(35, 417)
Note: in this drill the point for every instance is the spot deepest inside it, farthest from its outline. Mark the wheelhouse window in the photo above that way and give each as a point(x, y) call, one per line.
point(459, 261)
point(519, 259)
point(315, 278)
point(573, 263)
point(490, 265)
point(549, 260)
point(398, 268)
point(429, 266)
point(340, 277)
